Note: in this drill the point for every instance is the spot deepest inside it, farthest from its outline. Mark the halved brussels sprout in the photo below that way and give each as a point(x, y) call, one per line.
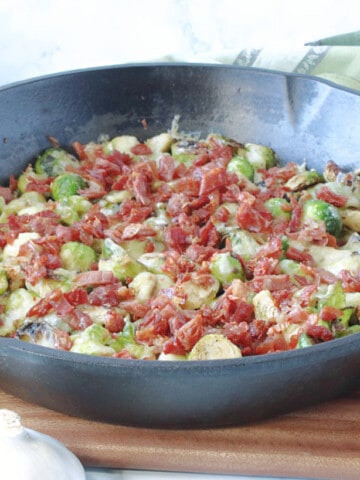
point(226, 267)
point(274, 206)
point(319, 210)
point(214, 346)
point(77, 256)
point(242, 167)
point(54, 161)
point(66, 185)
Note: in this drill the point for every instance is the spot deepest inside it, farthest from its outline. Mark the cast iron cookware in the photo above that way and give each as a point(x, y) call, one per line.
point(302, 118)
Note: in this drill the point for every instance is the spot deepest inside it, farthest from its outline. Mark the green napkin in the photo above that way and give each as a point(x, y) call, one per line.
point(345, 39)
point(335, 63)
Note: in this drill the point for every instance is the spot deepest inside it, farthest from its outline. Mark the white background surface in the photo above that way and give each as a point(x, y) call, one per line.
point(46, 36)
point(39, 37)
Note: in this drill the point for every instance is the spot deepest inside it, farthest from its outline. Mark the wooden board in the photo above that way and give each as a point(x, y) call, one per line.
point(319, 442)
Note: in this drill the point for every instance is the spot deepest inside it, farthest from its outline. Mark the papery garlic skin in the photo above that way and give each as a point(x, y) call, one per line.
point(29, 455)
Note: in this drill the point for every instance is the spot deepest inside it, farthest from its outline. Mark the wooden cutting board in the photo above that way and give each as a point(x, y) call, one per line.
point(319, 442)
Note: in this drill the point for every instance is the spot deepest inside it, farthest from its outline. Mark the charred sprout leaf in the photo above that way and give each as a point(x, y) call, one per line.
point(214, 347)
point(304, 179)
point(54, 162)
point(229, 142)
point(77, 256)
point(185, 151)
point(319, 210)
point(341, 326)
point(331, 171)
point(66, 185)
point(40, 333)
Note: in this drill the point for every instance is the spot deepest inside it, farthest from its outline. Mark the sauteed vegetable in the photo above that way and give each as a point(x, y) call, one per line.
point(178, 248)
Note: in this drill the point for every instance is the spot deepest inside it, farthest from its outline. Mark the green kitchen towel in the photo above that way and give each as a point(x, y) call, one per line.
point(345, 39)
point(338, 64)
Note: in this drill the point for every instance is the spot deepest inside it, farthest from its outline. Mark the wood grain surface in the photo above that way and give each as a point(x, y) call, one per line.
point(321, 442)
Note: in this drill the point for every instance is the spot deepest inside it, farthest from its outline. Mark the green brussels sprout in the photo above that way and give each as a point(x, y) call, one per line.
point(214, 347)
point(341, 326)
point(25, 177)
point(17, 304)
point(304, 341)
point(147, 285)
point(260, 156)
point(290, 267)
point(153, 262)
point(94, 340)
point(333, 296)
point(54, 161)
point(66, 185)
point(319, 210)
point(274, 206)
point(230, 225)
point(3, 281)
point(304, 179)
point(116, 260)
point(225, 268)
point(40, 333)
point(127, 340)
point(200, 289)
point(242, 167)
point(77, 256)
point(160, 143)
point(229, 142)
point(186, 150)
point(123, 143)
point(28, 202)
point(244, 244)
point(70, 209)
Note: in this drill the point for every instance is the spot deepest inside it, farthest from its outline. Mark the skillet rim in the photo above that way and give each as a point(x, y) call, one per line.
point(149, 65)
point(341, 345)
point(65, 356)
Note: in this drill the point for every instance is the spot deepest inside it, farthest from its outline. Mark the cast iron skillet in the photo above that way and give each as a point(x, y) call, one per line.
point(303, 119)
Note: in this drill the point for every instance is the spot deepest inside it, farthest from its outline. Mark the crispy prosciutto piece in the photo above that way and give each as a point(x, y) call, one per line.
point(324, 193)
point(180, 214)
point(95, 277)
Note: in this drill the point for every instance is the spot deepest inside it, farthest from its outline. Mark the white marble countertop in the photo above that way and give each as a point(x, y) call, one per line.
point(144, 475)
point(38, 37)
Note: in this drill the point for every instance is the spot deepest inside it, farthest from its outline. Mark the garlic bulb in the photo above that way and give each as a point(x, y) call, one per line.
point(29, 455)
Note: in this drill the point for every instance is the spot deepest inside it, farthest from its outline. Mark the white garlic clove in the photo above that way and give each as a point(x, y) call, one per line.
point(30, 455)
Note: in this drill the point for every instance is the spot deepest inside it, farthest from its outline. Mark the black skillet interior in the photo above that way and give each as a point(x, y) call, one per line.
point(303, 119)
